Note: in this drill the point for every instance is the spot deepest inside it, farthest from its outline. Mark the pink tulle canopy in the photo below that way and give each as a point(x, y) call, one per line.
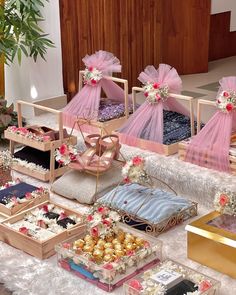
point(85, 104)
point(147, 121)
point(210, 147)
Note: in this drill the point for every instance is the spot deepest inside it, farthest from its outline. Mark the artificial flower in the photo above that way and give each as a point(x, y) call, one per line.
point(92, 76)
point(154, 92)
point(223, 200)
point(204, 285)
point(226, 101)
point(135, 284)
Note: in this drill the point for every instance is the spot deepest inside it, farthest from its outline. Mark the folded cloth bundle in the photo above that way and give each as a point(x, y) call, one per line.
point(153, 205)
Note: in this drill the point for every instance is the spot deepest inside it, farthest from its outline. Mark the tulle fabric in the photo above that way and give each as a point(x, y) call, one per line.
point(85, 103)
point(147, 121)
point(210, 147)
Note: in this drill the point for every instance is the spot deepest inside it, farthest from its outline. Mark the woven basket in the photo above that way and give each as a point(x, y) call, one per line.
point(5, 175)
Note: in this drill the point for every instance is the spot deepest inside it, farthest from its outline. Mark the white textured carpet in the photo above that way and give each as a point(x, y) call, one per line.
point(25, 275)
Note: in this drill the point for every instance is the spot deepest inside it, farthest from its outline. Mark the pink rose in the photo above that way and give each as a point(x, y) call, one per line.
point(156, 85)
point(158, 97)
point(127, 180)
point(63, 215)
point(66, 245)
point(204, 285)
point(229, 107)
point(225, 94)
point(146, 244)
point(130, 252)
point(106, 222)
point(135, 284)
point(46, 138)
point(102, 210)
point(146, 94)
point(224, 199)
point(108, 266)
point(45, 208)
point(137, 161)
point(24, 230)
point(40, 189)
point(94, 231)
point(90, 69)
point(89, 218)
point(63, 149)
point(28, 196)
point(93, 81)
point(41, 224)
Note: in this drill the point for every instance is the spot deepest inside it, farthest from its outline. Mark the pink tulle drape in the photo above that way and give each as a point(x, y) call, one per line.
point(210, 147)
point(85, 103)
point(147, 120)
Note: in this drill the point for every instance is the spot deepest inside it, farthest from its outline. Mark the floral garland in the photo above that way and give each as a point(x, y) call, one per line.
point(133, 171)
point(102, 221)
point(225, 203)
point(66, 154)
point(44, 222)
point(5, 159)
point(155, 93)
point(14, 201)
point(146, 285)
point(226, 101)
point(92, 76)
point(28, 134)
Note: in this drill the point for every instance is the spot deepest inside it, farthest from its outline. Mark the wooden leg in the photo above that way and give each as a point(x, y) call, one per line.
point(11, 146)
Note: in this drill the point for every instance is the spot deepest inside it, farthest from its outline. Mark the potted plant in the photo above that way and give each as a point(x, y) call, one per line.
point(20, 34)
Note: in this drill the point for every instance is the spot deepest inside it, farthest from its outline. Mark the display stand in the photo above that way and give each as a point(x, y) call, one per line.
point(151, 145)
point(42, 146)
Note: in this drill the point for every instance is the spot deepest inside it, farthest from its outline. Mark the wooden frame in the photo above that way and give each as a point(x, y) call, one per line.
point(39, 249)
point(42, 146)
point(151, 145)
point(94, 126)
point(183, 144)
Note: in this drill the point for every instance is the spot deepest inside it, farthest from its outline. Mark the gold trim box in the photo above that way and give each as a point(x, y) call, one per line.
point(212, 245)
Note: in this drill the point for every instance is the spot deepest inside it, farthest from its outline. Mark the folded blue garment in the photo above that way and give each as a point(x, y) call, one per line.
point(153, 205)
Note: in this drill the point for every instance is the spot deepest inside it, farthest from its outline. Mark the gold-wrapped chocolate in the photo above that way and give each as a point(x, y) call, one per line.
point(108, 245)
point(101, 243)
point(120, 235)
point(109, 238)
point(119, 253)
point(107, 258)
point(98, 253)
point(129, 246)
point(139, 241)
point(115, 241)
point(88, 238)
point(79, 243)
point(88, 248)
point(129, 237)
point(109, 251)
point(118, 247)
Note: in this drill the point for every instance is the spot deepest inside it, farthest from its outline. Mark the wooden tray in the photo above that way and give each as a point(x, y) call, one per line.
point(24, 206)
point(39, 249)
point(153, 146)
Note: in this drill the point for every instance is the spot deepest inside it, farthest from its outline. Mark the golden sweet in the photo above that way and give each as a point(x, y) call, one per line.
point(101, 242)
point(88, 248)
point(109, 238)
point(129, 237)
point(119, 253)
point(99, 246)
point(120, 235)
point(98, 253)
point(139, 241)
point(115, 241)
point(129, 246)
point(79, 243)
point(108, 245)
point(109, 251)
point(118, 247)
point(107, 258)
point(88, 238)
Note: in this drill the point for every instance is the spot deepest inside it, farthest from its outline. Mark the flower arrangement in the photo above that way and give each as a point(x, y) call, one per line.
point(5, 160)
point(146, 284)
point(22, 131)
point(134, 171)
point(155, 93)
point(92, 76)
point(44, 222)
point(7, 116)
point(102, 221)
point(225, 203)
point(226, 101)
point(65, 154)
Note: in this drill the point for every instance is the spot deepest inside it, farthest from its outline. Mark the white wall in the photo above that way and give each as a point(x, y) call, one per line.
point(218, 6)
point(41, 80)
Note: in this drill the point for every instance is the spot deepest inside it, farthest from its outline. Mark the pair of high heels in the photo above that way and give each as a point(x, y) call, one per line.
point(46, 131)
point(98, 156)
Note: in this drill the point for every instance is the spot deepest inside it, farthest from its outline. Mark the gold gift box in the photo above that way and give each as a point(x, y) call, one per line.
point(212, 246)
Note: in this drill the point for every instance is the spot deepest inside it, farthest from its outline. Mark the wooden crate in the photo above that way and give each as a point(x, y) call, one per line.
point(153, 146)
point(103, 128)
point(24, 206)
point(43, 146)
point(39, 249)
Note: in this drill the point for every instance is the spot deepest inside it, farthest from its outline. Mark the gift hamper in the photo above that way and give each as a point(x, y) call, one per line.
point(161, 121)
point(214, 145)
point(144, 206)
point(171, 278)
point(36, 158)
point(96, 81)
point(108, 252)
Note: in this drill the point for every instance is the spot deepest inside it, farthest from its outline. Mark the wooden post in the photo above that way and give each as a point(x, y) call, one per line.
point(2, 79)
